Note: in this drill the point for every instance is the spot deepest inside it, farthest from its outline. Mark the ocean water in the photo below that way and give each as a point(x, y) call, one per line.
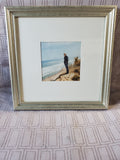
point(51, 67)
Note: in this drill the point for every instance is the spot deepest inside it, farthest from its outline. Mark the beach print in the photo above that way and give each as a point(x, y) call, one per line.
point(60, 61)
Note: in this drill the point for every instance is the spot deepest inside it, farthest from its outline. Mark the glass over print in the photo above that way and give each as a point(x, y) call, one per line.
point(60, 61)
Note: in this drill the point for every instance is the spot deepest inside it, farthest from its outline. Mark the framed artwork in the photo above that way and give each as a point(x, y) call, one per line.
point(60, 57)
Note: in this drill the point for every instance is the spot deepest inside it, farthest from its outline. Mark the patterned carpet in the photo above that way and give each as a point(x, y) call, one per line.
point(58, 135)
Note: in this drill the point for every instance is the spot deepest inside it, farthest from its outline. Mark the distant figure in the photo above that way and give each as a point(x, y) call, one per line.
point(66, 63)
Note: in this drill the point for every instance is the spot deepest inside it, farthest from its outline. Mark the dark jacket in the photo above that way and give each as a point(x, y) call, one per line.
point(65, 59)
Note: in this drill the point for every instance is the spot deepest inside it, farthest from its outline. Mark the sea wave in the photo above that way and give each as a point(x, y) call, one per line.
point(51, 70)
point(54, 68)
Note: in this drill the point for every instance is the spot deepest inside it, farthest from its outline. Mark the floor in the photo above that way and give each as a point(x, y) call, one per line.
point(58, 135)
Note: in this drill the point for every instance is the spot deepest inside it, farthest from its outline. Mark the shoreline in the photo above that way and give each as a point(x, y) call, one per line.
point(73, 75)
point(55, 76)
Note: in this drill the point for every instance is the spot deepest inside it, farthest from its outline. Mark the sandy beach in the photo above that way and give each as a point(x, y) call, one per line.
point(73, 75)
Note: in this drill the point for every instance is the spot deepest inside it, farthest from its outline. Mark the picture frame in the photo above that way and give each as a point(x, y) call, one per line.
point(30, 27)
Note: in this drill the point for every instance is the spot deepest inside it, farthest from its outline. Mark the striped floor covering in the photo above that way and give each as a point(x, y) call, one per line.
point(58, 135)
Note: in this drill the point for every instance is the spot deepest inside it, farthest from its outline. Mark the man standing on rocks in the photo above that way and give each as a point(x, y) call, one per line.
point(66, 63)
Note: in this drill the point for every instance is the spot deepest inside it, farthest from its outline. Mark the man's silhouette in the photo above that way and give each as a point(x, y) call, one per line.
point(66, 63)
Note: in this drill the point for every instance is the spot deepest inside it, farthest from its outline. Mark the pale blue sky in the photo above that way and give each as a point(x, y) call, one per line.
point(56, 50)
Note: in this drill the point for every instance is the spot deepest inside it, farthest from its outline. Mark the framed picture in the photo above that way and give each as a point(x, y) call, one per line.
point(60, 57)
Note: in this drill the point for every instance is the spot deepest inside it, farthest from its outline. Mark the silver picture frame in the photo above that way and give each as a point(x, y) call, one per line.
point(12, 16)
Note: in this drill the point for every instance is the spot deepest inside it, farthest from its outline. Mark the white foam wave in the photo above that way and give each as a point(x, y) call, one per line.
point(49, 70)
point(52, 69)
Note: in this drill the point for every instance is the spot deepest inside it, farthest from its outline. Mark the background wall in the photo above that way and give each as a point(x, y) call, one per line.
point(4, 65)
